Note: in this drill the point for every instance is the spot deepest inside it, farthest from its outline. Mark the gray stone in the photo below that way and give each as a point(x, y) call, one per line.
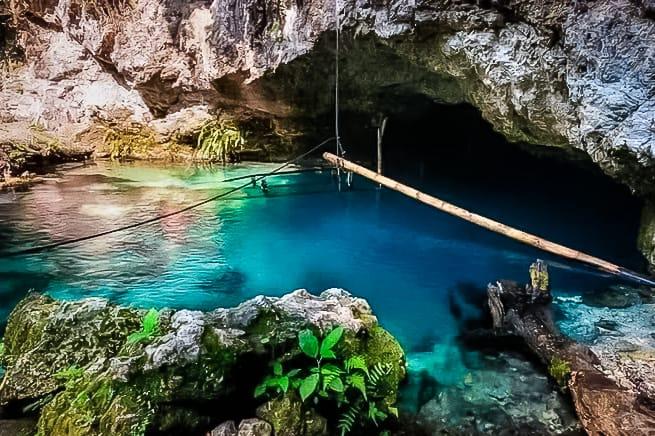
point(228, 428)
point(254, 427)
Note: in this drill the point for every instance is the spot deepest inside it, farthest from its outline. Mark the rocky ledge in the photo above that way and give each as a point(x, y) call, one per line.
point(90, 367)
point(609, 397)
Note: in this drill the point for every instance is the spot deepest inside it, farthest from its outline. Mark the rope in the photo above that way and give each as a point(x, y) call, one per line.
point(340, 151)
point(66, 242)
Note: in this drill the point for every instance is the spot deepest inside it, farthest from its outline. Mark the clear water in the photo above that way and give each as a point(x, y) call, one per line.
point(423, 272)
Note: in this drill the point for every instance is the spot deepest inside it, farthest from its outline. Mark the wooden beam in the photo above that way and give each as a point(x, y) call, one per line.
point(487, 223)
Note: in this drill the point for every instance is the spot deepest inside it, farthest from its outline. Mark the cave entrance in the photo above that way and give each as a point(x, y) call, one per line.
point(450, 151)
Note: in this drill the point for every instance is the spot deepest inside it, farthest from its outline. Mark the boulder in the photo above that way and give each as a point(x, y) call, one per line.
point(254, 427)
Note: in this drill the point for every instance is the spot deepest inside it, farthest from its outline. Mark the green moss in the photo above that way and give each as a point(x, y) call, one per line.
point(288, 417)
point(26, 324)
point(560, 370)
point(379, 346)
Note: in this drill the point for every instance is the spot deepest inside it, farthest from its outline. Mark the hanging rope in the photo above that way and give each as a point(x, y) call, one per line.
point(340, 151)
point(254, 179)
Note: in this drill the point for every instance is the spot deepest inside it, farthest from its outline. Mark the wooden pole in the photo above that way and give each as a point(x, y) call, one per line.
point(381, 127)
point(485, 222)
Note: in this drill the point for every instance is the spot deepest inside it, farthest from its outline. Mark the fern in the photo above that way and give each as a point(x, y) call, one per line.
point(219, 140)
point(357, 381)
point(356, 362)
point(378, 373)
point(348, 419)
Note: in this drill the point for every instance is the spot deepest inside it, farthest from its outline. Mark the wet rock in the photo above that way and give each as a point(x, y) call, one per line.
point(66, 352)
point(227, 428)
point(254, 427)
point(625, 346)
point(607, 324)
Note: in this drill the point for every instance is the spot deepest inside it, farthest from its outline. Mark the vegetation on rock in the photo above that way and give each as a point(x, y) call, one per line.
point(91, 367)
point(219, 140)
point(356, 389)
point(560, 370)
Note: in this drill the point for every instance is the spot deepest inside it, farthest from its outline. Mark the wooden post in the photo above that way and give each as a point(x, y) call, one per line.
point(485, 222)
point(381, 127)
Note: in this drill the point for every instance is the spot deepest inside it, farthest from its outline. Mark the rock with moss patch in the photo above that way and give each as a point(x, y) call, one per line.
point(79, 359)
point(288, 418)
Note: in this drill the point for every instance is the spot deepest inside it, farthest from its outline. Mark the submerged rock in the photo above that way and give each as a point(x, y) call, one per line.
point(507, 396)
point(98, 368)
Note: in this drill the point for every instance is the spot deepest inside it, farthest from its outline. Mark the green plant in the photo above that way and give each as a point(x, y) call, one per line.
point(219, 140)
point(149, 328)
point(355, 387)
point(560, 370)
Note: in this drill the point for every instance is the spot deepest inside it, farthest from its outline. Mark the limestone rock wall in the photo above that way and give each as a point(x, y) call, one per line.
point(575, 74)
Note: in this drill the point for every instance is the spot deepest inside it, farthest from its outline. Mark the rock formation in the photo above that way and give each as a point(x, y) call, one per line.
point(80, 366)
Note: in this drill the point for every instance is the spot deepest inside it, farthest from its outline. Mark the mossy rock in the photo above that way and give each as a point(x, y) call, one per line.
point(76, 360)
point(288, 417)
point(378, 346)
point(45, 336)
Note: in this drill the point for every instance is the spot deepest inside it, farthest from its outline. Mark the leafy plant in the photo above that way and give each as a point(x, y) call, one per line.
point(149, 328)
point(278, 382)
point(560, 370)
point(219, 140)
point(351, 383)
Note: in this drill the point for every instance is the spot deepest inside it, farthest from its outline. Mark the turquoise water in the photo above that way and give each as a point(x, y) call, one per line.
point(423, 272)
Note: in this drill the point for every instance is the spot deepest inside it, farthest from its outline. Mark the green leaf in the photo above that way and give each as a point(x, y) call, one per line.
point(336, 385)
point(283, 382)
point(260, 390)
point(328, 354)
point(393, 411)
point(330, 341)
point(293, 373)
point(308, 386)
point(151, 321)
point(277, 368)
point(308, 343)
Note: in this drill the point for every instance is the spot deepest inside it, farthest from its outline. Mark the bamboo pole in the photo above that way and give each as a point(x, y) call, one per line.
point(489, 224)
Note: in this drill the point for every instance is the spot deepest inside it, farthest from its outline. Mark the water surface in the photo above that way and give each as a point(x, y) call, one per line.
point(423, 272)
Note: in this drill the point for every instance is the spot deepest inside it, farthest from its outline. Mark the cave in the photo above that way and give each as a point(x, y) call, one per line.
point(439, 142)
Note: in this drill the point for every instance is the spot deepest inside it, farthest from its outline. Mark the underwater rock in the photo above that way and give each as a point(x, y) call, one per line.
point(509, 397)
point(98, 368)
point(616, 297)
point(609, 397)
